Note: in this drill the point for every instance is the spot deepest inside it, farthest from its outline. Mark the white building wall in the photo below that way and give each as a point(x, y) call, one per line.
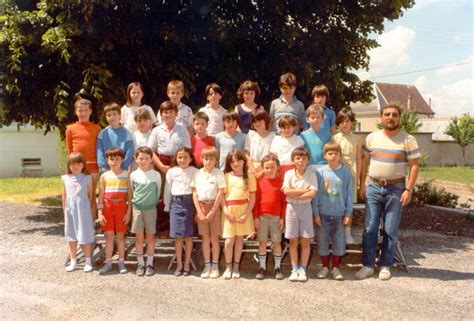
point(28, 143)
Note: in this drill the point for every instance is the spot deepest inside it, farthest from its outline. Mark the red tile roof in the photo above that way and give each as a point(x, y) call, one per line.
point(399, 94)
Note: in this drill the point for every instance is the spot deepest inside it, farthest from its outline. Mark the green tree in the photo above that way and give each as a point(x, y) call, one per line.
point(55, 50)
point(462, 130)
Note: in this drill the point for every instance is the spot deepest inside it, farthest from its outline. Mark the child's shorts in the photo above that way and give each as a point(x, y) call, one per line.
point(299, 221)
point(214, 226)
point(331, 232)
point(144, 221)
point(182, 216)
point(269, 225)
point(114, 212)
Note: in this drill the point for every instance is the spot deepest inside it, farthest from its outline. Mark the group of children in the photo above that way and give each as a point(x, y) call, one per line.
point(226, 171)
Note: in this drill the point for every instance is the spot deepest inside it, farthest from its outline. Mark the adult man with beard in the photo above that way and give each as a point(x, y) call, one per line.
point(390, 151)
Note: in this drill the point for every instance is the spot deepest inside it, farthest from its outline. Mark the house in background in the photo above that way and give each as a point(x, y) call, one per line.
point(406, 96)
point(28, 152)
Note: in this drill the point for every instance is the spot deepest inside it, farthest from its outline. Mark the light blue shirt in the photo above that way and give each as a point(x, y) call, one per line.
point(225, 144)
point(334, 197)
point(166, 142)
point(114, 137)
point(329, 120)
point(280, 108)
point(314, 142)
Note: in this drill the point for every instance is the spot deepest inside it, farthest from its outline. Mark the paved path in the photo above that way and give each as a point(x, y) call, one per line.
point(33, 284)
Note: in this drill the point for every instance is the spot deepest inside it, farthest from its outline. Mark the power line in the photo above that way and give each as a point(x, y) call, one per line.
point(422, 70)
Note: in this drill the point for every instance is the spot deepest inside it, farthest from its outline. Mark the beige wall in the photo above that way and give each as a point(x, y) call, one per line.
point(440, 153)
point(28, 143)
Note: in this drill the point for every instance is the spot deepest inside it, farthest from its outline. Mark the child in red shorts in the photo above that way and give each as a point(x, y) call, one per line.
point(114, 207)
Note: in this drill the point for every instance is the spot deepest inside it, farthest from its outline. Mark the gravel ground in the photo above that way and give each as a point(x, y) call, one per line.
point(33, 284)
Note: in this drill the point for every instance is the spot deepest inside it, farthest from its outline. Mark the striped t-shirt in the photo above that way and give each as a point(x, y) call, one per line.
point(389, 156)
point(116, 186)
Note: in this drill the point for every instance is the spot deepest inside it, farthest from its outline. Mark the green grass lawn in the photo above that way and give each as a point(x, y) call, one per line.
point(35, 191)
point(453, 174)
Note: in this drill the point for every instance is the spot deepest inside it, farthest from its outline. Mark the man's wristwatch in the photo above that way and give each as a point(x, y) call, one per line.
point(410, 190)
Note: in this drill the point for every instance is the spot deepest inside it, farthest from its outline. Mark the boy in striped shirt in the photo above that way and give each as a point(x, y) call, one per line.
point(114, 207)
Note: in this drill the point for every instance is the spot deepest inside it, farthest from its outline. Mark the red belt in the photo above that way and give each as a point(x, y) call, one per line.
point(236, 202)
point(165, 159)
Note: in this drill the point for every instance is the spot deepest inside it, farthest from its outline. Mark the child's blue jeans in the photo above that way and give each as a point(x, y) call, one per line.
point(331, 232)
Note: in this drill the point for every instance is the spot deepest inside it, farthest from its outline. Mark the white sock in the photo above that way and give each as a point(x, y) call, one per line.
point(88, 261)
point(149, 260)
point(207, 264)
point(140, 259)
point(277, 261)
point(262, 259)
point(73, 262)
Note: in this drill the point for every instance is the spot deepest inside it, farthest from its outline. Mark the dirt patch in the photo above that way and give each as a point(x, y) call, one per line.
point(429, 219)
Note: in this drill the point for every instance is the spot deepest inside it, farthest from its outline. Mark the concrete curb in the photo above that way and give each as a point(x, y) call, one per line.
point(462, 211)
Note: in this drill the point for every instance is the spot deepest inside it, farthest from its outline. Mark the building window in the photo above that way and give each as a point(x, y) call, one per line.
point(357, 127)
point(30, 162)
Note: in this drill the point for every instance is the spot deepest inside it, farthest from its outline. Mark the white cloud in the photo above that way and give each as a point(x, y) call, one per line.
point(452, 68)
point(453, 99)
point(420, 83)
point(393, 50)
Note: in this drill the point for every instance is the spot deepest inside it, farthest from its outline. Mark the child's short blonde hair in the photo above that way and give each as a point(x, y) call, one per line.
point(176, 84)
point(314, 109)
point(82, 102)
point(332, 146)
point(112, 107)
point(211, 152)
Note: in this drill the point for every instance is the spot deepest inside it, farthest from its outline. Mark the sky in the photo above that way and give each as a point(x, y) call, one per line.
point(431, 34)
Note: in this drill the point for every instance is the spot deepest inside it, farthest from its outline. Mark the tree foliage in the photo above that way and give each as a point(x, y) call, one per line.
point(55, 50)
point(409, 122)
point(462, 130)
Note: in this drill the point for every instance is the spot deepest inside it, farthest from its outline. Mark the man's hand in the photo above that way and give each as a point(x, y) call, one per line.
point(406, 198)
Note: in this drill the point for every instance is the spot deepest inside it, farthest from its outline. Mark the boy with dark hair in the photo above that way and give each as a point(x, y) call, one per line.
point(287, 103)
point(115, 135)
point(213, 109)
point(201, 139)
point(230, 139)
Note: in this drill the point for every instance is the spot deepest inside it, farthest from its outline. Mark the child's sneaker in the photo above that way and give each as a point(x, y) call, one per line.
point(122, 268)
point(385, 274)
point(260, 274)
point(278, 274)
point(235, 273)
point(364, 273)
point(149, 270)
point(336, 274)
point(87, 268)
point(294, 276)
point(227, 273)
point(206, 273)
point(140, 270)
point(71, 267)
point(105, 269)
point(214, 272)
point(323, 273)
point(302, 275)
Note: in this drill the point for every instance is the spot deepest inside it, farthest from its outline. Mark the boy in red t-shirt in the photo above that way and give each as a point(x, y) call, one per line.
point(81, 137)
point(269, 214)
point(200, 139)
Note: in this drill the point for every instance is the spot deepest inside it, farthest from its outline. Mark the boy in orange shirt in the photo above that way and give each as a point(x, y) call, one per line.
point(81, 137)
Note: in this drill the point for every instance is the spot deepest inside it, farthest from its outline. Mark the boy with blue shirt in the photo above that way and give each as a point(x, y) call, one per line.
point(315, 138)
point(115, 135)
point(320, 95)
point(332, 209)
point(230, 139)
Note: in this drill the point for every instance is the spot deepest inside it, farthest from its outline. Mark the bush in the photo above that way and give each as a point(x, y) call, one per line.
point(426, 193)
